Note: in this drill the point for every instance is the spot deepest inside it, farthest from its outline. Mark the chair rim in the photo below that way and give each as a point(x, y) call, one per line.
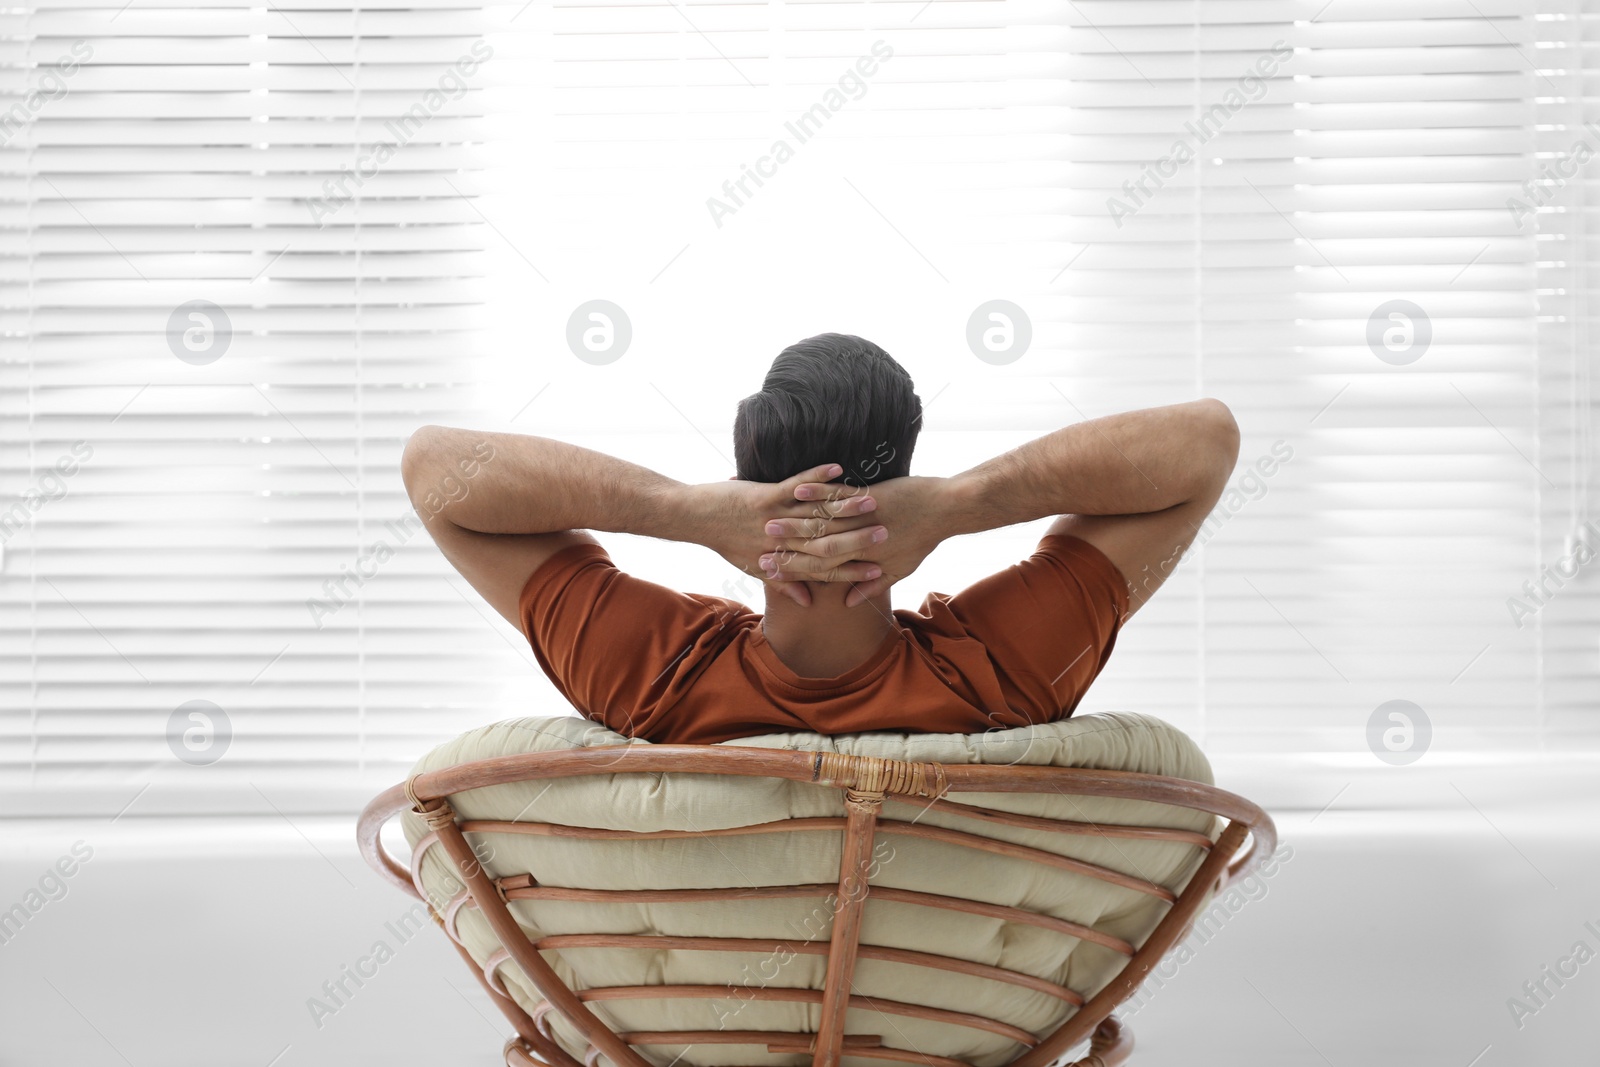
point(866, 782)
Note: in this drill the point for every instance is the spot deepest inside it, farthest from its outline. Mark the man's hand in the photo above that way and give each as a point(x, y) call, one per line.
point(731, 519)
point(913, 509)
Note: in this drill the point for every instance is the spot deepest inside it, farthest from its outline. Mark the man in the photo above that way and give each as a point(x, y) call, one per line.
point(825, 507)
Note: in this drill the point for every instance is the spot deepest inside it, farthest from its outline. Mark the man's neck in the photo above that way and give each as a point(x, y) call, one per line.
point(826, 639)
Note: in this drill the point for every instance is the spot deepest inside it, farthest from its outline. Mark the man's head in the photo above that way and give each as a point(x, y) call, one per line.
point(832, 398)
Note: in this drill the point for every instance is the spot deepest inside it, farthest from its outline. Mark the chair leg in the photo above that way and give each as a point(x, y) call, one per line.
point(1110, 1046)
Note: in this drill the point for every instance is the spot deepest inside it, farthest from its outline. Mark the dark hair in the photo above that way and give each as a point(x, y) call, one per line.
point(832, 398)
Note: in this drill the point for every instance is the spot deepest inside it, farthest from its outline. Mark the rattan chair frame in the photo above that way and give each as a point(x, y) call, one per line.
point(867, 783)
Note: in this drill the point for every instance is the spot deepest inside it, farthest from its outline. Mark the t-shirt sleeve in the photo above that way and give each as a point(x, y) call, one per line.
point(1048, 622)
point(611, 643)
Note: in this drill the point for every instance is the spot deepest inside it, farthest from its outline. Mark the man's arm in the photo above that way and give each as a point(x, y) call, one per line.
point(498, 505)
point(1135, 485)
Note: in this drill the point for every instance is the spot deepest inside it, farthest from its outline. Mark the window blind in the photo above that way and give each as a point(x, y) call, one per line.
point(239, 269)
point(1557, 603)
point(1298, 207)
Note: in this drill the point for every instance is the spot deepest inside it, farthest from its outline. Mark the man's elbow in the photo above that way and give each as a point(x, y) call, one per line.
point(1217, 433)
point(421, 458)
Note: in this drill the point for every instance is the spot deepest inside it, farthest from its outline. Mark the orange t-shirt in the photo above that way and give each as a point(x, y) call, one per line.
point(1020, 646)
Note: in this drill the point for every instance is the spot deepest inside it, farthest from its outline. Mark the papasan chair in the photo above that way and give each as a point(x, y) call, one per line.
point(941, 899)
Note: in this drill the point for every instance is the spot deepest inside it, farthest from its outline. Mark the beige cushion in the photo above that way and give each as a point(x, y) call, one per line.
point(1114, 741)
